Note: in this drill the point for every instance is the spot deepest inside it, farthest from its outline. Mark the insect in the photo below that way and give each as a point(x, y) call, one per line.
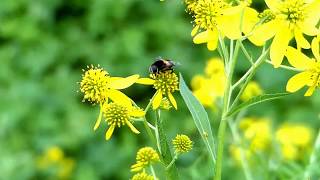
point(161, 65)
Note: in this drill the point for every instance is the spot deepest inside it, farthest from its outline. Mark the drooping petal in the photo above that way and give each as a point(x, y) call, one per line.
point(312, 9)
point(98, 121)
point(250, 19)
point(133, 129)
point(201, 37)
point(273, 5)
point(301, 41)
point(194, 30)
point(298, 81)
point(122, 83)
point(157, 100)
point(145, 81)
point(137, 113)
point(172, 100)
point(315, 47)
point(310, 91)
point(297, 59)
point(213, 40)
point(264, 32)
point(229, 23)
point(308, 28)
point(110, 132)
point(118, 97)
point(279, 46)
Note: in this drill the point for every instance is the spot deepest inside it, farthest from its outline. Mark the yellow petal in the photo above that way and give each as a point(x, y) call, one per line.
point(279, 46)
point(157, 100)
point(273, 5)
point(301, 41)
point(145, 81)
point(298, 81)
point(315, 47)
point(229, 23)
point(310, 91)
point(308, 28)
point(137, 113)
point(312, 11)
point(118, 97)
point(250, 19)
point(98, 121)
point(201, 38)
point(297, 59)
point(194, 30)
point(213, 40)
point(172, 100)
point(110, 132)
point(264, 32)
point(133, 129)
point(122, 83)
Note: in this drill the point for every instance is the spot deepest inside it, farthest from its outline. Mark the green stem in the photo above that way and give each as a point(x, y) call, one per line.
point(236, 136)
point(171, 173)
point(314, 157)
point(153, 173)
point(254, 67)
point(285, 67)
point(223, 123)
point(173, 161)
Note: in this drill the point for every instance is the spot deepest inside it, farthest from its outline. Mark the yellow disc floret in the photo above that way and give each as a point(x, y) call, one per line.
point(142, 176)
point(267, 15)
point(206, 12)
point(116, 114)
point(293, 10)
point(145, 157)
point(166, 81)
point(94, 84)
point(182, 143)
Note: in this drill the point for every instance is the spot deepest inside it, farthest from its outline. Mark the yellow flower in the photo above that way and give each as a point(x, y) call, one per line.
point(98, 86)
point(257, 132)
point(117, 115)
point(310, 75)
point(207, 88)
point(253, 89)
point(165, 83)
point(182, 143)
point(294, 139)
point(191, 5)
point(142, 176)
point(289, 19)
point(235, 152)
point(144, 158)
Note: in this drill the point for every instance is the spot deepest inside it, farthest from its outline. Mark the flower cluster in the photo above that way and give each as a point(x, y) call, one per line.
point(210, 86)
point(116, 108)
point(182, 143)
point(281, 22)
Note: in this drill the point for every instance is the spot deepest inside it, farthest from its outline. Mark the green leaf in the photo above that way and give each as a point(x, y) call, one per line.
point(200, 117)
point(256, 100)
point(166, 156)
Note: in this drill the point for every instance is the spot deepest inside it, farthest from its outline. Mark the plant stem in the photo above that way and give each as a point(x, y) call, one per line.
point(285, 67)
point(173, 161)
point(314, 157)
point(171, 173)
point(237, 139)
point(153, 173)
point(223, 123)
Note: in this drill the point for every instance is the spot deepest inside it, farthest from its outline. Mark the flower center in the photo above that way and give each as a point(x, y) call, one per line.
point(267, 15)
point(147, 155)
point(293, 10)
point(166, 81)
point(206, 11)
point(94, 84)
point(116, 114)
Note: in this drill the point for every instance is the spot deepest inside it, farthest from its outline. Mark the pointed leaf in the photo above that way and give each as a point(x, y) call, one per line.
point(199, 116)
point(256, 100)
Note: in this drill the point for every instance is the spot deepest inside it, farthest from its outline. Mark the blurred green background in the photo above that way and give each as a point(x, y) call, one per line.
point(45, 44)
